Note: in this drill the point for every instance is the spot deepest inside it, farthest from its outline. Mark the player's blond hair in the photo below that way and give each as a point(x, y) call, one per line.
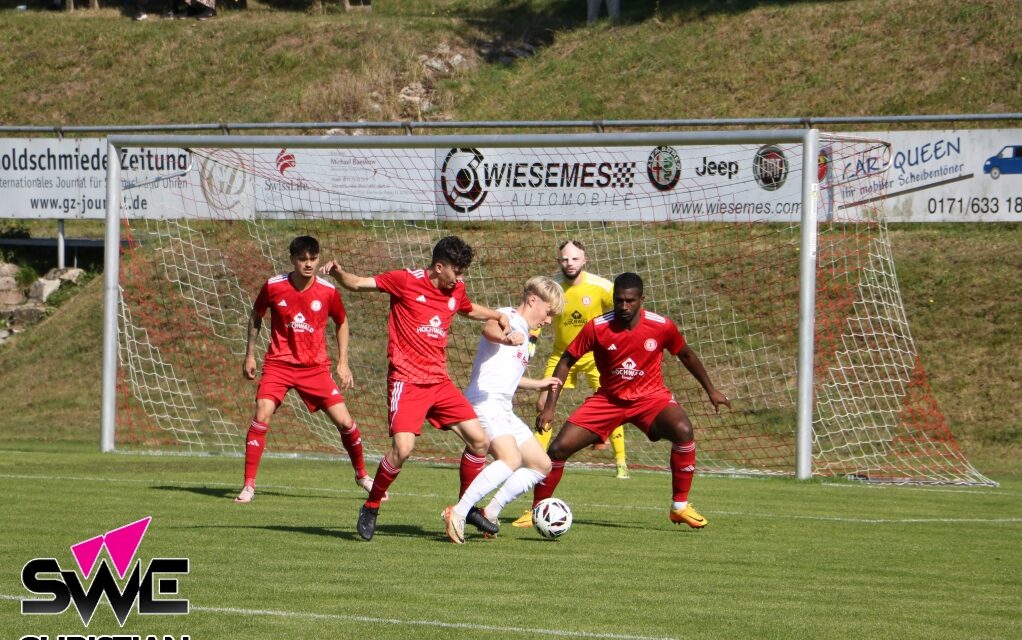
point(547, 290)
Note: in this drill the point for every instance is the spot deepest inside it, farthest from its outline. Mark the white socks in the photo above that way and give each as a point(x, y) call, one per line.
point(520, 482)
point(488, 479)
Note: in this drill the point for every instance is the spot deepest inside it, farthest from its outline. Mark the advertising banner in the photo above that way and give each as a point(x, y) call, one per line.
point(934, 176)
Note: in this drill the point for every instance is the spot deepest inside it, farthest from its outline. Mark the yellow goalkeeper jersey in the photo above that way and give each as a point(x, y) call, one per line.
point(590, 298)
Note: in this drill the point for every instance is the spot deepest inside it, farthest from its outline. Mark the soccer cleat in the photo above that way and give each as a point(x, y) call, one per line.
point(478, 519)
point(367, 522)
point(455, 525)
point(366, 482)
point(246, 495)
point(525, 521)
point(689, 516)
point(622, 471)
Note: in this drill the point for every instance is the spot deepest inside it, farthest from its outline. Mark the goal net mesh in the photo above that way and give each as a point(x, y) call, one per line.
point(715, 238)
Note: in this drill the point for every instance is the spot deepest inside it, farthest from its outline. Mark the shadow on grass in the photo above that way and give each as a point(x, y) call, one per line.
point(382, 530)
point(223, 493)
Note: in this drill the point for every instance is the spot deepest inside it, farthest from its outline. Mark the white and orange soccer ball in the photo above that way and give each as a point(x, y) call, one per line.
point(551, 518)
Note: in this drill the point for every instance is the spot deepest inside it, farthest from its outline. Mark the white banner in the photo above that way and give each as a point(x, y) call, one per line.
point(949, 175)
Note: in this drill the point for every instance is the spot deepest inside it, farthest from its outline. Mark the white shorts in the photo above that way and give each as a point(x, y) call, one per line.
point(500, 420)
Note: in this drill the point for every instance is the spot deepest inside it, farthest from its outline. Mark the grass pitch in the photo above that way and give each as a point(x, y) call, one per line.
point(779, 559)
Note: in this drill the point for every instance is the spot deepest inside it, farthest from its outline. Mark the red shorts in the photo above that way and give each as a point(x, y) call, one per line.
point(601, 415)
point(315, 385)
point(441, 403)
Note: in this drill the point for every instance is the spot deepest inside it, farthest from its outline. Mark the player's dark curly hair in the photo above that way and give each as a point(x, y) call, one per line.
point(454, 251)
point(628, 280)
point(302, 245)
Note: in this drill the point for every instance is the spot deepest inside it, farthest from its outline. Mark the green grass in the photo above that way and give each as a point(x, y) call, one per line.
point(697, 59)
point(779, 559)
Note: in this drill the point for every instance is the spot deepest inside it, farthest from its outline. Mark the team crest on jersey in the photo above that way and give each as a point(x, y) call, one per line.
point(450, 304)
point(586, 301)
point(299, 324)
point(650, 345)
point(316, 305)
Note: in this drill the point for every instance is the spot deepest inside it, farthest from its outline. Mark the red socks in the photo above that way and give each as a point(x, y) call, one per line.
point(352, 441)
point(385, 474)
point(471, 466)
point(683, 466)
point(545, 489)
point(255, 442)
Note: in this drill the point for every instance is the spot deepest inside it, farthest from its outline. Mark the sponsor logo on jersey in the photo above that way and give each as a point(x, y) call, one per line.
point(316, 305)
point(575, 319)
point(433, 329)
point(628, 371)
point(299, 324)
point(650, 345)
point(282, 303)
point(612, 347)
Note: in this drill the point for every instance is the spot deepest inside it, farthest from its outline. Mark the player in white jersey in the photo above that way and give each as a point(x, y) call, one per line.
point(498, 370)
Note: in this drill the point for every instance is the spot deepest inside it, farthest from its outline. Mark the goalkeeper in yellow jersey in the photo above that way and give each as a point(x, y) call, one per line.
point(586, 296)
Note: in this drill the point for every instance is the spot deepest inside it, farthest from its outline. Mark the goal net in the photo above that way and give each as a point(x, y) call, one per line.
point(713, 229)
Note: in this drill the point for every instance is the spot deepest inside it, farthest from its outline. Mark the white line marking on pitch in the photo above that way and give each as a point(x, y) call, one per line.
point(412, 623)
point(618, 507)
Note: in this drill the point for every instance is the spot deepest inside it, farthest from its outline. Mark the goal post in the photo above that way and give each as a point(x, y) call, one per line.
point(721, 265)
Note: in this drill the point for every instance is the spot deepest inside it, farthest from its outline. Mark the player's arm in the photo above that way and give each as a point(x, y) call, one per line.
point(546, 416)
point(255, 323)
point(479, 312)
point(493, 333)
point(349, 281)
point(695, 366)
point(531, 384)
point(343, 370)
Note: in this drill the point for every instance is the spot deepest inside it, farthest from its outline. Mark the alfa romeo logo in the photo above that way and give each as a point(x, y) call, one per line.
point(663, 168)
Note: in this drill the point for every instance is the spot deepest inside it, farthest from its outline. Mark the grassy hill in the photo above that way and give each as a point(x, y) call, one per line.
point(538, 60)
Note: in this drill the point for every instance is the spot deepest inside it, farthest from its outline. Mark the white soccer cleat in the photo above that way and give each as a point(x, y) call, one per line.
point(366, 482)
point(246, 495)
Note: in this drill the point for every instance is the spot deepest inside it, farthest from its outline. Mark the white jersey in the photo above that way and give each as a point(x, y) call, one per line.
point(498, 368)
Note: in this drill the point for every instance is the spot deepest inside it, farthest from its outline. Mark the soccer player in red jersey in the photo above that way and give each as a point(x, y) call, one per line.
point(300, 303)
point(628, 345)
point(422, 305)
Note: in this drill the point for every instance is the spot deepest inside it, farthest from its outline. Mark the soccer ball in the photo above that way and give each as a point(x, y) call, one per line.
point(551, 517)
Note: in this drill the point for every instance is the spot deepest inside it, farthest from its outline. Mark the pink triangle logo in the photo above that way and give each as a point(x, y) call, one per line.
point(121, 543)
point(86, 552)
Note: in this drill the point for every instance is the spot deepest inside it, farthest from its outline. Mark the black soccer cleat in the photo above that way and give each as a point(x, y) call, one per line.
point(478, 519)
point(367, 522)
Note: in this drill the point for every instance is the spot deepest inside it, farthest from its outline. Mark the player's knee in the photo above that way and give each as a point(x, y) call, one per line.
point(683, 432)
point(558, 451)
point(543, 466)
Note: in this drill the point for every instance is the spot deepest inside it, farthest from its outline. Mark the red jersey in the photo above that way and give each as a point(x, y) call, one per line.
point(298, 319)
point(420, 317)
point(628, 359)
